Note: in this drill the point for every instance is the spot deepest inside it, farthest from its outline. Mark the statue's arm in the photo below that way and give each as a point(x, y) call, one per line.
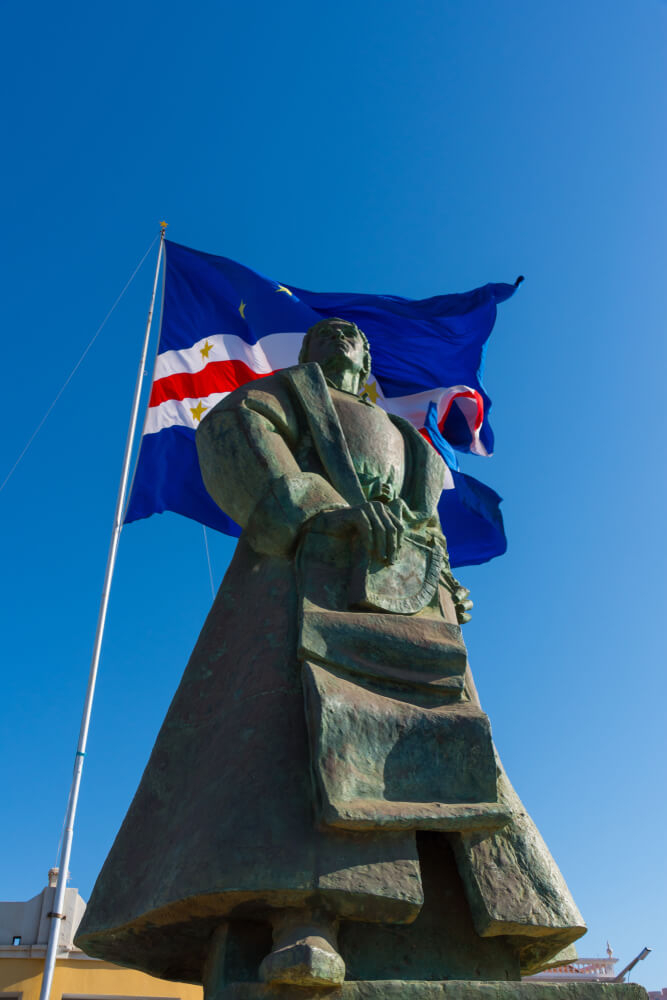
point(246, 453)
point(424, 483)
point(425, 472)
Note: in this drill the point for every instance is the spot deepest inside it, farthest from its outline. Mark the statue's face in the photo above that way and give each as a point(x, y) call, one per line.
point(337, 345)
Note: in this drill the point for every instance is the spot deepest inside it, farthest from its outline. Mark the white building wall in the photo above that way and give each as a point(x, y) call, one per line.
point(29, 920)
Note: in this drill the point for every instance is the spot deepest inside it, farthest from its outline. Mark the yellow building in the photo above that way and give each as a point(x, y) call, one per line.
point(24, 929)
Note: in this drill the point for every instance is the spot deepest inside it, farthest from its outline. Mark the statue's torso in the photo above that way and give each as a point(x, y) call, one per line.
point(376, 446)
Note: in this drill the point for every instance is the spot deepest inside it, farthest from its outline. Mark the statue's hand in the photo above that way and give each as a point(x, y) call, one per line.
point(462, 604)
point(379, 530)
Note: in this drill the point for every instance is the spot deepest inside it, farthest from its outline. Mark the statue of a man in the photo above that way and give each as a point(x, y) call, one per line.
point(324, 799)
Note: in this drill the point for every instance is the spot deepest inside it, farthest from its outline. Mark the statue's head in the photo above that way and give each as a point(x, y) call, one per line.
point(337, 344)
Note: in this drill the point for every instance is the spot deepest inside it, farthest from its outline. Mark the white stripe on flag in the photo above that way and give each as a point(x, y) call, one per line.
point(449, 479)
point(276, 350)
point(179, 412)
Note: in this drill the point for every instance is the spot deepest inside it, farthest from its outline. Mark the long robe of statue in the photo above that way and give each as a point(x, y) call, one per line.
point(324, 788)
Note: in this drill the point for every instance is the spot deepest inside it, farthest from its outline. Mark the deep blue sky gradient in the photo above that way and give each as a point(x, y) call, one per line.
point(411, 149)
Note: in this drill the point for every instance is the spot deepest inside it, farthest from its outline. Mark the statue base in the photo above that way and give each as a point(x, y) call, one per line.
point(452, 989)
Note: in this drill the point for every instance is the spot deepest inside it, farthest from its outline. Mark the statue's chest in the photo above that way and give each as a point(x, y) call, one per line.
point(376, 445)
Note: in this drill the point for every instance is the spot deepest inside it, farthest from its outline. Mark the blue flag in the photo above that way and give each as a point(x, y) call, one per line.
point(224, 325)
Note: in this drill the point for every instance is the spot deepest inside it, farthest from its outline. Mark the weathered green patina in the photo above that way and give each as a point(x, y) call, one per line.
point(324, 799)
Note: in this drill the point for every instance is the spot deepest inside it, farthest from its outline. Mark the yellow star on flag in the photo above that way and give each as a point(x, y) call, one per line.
point(281, 288)
point(371, 391)
point(206, 349)
point(242, 309)
point(197, 411)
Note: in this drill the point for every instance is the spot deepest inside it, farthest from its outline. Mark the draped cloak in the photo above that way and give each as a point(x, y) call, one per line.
point(312, 735)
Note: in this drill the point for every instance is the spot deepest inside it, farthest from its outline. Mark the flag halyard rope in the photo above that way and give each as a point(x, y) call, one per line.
point(76, 366)
point(79, 757)
point(208, 560)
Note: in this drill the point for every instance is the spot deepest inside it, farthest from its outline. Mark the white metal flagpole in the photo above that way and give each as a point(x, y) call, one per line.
point(57, 914)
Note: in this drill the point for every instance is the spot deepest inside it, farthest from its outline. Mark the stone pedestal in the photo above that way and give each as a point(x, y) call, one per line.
point(453, 989)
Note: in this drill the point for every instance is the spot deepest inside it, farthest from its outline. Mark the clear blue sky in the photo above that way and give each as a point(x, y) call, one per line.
point(367, 145)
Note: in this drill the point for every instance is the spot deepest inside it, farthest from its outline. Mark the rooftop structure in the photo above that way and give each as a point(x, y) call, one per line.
point(24, 932)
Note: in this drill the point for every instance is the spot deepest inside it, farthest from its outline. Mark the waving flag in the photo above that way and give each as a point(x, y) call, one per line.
point(224, 325)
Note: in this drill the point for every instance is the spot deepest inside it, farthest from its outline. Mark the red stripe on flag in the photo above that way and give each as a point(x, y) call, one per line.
point(479, 402)
point(218, 376)
point(479, 415)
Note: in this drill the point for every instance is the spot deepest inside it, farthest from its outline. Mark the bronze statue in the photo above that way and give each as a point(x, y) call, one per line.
point(324, 800)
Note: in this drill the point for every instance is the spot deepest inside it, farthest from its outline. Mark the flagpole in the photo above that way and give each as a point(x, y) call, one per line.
point(57, 914)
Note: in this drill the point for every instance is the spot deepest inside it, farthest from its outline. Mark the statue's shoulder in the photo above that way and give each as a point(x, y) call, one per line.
point(276, 386)
point(274, 397)
point(289, 386)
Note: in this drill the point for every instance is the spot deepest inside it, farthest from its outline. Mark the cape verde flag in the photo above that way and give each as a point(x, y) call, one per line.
point(224, 325)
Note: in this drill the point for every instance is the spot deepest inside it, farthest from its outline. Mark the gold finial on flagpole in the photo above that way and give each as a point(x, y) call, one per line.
point(163, 226)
